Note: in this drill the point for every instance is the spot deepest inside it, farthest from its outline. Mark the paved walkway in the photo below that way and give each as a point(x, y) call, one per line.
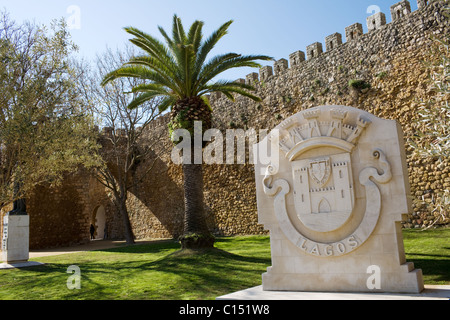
point(93, 245)
point(429, 293)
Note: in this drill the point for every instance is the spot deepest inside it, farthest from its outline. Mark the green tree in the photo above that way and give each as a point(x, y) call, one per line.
point(45, 130)
point(125, 142)
point(179, 72)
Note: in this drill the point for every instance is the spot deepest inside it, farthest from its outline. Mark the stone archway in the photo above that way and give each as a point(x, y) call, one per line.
point(99, 222)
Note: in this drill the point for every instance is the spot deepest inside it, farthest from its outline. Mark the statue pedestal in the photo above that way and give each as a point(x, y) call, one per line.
point(16, 237)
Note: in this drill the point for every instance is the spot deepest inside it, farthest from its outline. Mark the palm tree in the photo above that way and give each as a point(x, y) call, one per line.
point(179, 73)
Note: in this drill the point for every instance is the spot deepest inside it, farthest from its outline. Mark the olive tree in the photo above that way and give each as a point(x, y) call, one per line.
point(46, 130)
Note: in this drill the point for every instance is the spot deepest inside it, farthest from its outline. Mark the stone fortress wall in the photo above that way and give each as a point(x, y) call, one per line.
point(390, 57)
point(389, 61)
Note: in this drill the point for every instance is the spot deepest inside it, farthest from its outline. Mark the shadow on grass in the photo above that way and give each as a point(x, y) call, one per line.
point(206, 274)
point(187, 261)
point(151, 247)
point(158, 271)
point(433, 268)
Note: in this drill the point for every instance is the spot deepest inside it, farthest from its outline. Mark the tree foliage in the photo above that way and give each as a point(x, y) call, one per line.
point(126, 146)
point(45, 129)
point(181, 73)
point(178, 69)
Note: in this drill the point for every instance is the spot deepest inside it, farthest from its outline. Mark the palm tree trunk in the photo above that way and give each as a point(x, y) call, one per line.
point(129, 236)
point(196, 233)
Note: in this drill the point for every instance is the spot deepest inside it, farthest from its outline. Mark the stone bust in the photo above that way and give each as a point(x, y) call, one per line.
point(19, 208)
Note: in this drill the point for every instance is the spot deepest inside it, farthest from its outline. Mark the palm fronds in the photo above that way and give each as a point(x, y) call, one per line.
point(177, 69)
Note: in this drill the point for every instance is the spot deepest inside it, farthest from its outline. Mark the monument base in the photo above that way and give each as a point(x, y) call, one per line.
point(17, 265)
point(257, 293)
point(406, 280)
point(15, 242)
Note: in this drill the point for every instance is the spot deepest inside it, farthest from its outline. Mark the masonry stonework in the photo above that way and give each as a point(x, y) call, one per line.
point(389, 58)
point(376, 21)
point(400, 10)
point(353, 31)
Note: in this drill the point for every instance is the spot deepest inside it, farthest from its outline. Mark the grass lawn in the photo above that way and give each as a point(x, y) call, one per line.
point(159, 271)
point(430, 251)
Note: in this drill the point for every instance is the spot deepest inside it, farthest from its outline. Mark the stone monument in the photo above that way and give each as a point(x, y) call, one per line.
point(15, 240)
point(333, 201)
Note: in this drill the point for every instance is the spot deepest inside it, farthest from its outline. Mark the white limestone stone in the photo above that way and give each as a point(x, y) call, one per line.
point(15, 241)
point(333, 201)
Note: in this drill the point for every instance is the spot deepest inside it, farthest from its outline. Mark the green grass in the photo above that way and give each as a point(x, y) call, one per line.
point(153, 271)
point(430, 251)
point(160, 271)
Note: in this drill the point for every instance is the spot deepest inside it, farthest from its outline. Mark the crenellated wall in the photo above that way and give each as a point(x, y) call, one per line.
point(399, 14)
point(390, 61)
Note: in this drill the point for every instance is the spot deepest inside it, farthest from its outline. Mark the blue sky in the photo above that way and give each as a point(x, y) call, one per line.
point(270, 27)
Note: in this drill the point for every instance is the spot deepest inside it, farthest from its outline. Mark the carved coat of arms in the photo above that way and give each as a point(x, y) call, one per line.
point(320, 155)
point(320, 171)
point(319, 150)
point(323, 191)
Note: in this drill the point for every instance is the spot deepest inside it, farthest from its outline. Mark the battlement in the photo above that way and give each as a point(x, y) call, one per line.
point(375, 23)
point(362, 122)
point(401, 9)
point(422, 3)
point(348, 126)
point(322, 189)
point(286, 124)
point(340, 164)
point(314, 50)
point(311, 114)
point(118, 132)
point(252, 78)
point(265, 72)
point(338, 114)
point(296, 58)
point(280, 66)
point(298, 136)
point(354, 31)
point(333, 41)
